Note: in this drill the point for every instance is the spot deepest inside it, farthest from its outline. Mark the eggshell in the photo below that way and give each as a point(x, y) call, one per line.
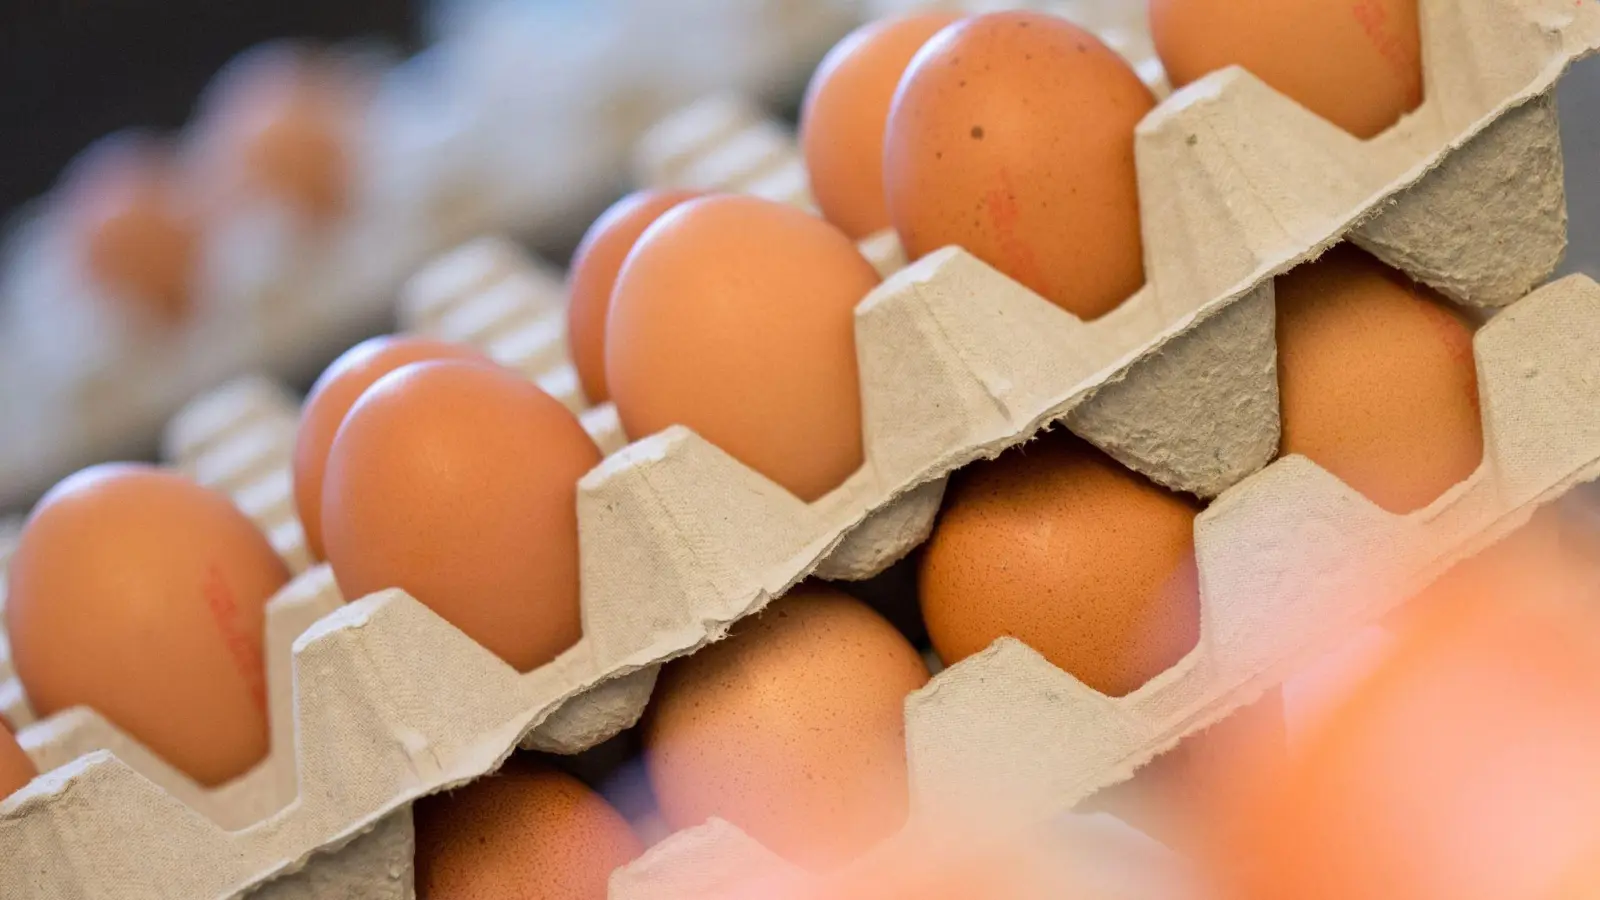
point(1462, 768)
point(845, 112)
point(528, 832)
point(133, 228)
point(141, 595)
point(1057, 545)
point(1377, 379)
point(458, 483)
point(1012, 136)
point(276, 124)
point(16, 769)
point(735, 317)
point(1356, 63)
point(593, 275)
point(338, 388)
point(793, 729)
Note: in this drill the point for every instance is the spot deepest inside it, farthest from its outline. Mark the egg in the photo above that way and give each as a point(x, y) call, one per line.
point(735, 317)
point(1377, 380)
point(1012, 136)
point(844, 114)
point(457, 482)
point(593, 276)
point(528, 832)
point(793, 729)
point(1356, 63)
point(277, 123)
point(1057, 545)
point(338, 388)
point(142, 595)
point(16, 769)
point(132, 227)
point(1463, 768)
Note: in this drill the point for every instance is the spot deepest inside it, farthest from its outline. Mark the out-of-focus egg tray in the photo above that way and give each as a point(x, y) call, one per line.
point(678, 541)
point(518, 120)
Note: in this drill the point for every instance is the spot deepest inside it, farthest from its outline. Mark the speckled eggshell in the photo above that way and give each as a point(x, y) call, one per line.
point(1057, 545)
point(528, 832)
point(16, 769)
point(458, 482)
point(593, 275)
point(338, 388)
point(845, 112)
point(1377, 379)
point(1356, 63)
point(735, 317)
point(793, 729)
point(1012, 136)
point(142, 595)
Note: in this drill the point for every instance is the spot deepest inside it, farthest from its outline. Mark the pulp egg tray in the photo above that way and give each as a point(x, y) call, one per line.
point(679, 541)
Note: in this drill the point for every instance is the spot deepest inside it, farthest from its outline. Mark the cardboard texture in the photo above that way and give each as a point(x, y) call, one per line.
point(679, 541)
point(1094, 856)
point(1006, 729)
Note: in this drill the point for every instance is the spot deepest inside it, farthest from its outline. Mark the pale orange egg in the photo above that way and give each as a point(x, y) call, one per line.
point(16, 769)
point(1356, 63)
point(735, 317)
point(142, 595)
point(133, 226)
point(1061, 547)
point(793, 729)
point(845, 112)
point(593, 276)
point(1012, 136)
point(458, 482)
point(277, 123)
point(338, 389)
point(526, 832)
point(1377, 380)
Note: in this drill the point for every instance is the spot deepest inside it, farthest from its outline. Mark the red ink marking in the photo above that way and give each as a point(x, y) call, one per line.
point(1373, 18)
point(1004, 218)
point(247, 656)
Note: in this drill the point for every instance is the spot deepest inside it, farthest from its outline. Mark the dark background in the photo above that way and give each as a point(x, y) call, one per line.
point(72, 71)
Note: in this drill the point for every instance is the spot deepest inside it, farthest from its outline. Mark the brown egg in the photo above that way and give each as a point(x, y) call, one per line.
point(793, 729)
point(457, 482)
point(1356, 63)
point(341, 384)
point(594, 274)
point(528, 832)
point(133, 227)
point(736, 317)
point(16, 769)
point(1012, 136)
point(141, 595)
point(1378, 382)
point(845, 112)
point(1057, 545)
point(276, 124)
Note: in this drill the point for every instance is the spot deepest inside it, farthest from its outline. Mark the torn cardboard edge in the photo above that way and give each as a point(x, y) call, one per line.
point(1322, 564)
point(679, 541)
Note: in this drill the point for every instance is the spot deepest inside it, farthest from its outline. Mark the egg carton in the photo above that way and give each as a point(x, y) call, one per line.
point(1465, 195)
point(477, 134)
point(1077, 856)
point(679, 541)
point(1292, 564)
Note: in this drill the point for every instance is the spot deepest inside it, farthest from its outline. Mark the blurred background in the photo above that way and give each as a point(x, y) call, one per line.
point(473, 117)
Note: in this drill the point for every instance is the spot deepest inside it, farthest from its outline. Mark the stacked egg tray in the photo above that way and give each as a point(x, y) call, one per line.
point(377, 701)
point(453, 143)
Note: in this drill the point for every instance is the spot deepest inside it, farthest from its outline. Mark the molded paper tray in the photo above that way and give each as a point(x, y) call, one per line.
point(678, 540)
